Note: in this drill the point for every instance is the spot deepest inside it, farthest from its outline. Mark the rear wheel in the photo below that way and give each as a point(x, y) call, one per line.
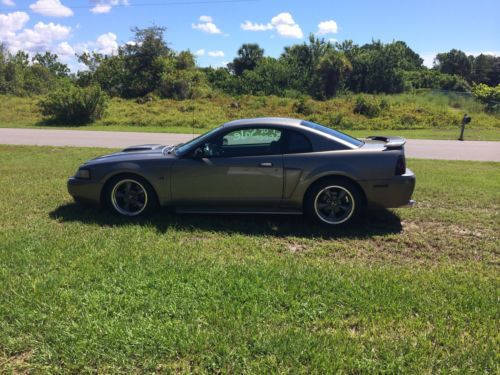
point(130, 196)
point(334, 202)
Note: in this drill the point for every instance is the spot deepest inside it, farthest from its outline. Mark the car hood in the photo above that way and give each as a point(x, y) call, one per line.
point(131, 153)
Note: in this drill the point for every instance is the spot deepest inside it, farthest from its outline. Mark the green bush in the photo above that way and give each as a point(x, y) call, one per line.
point(303, 107)
point(366, 106)
point(489, 95)
point(75, 105)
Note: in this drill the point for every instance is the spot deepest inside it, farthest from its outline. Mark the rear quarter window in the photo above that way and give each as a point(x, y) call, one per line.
point(297, 143)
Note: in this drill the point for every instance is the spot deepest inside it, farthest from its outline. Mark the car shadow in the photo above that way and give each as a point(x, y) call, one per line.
point(378, 222)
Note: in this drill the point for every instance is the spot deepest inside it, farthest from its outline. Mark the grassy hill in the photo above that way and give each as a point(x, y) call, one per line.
point(424, 115)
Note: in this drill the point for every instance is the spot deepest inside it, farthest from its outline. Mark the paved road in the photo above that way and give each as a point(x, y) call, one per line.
point(415, 148)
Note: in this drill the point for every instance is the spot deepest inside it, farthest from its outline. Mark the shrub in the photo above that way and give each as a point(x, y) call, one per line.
point(366, 106)
point(75, 105)
point(489, 95)
point(303, 106)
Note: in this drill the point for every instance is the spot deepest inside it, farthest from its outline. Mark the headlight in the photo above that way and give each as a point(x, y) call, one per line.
point(83, 173)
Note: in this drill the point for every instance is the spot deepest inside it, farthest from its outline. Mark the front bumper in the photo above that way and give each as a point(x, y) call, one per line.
point(391, 193)
point(85, 190)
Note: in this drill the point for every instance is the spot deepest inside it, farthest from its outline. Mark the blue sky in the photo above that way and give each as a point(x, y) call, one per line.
point(215, 30)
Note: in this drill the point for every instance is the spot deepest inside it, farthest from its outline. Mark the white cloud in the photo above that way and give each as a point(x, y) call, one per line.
point(216, 53)
point(206, 19)
point(40, 38)
point(283, 23)
point(11, 23)
point(286, 27)
point(107, 44)
point(200, 52)
point(105, 6)
point(206, 25)
point(327, 27)
point(101, 8)
point(51, 8)
point(250, 26)
point(9, 3)
point(65, 50)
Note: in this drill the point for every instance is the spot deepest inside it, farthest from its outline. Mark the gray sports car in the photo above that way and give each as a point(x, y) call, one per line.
point(263, 165)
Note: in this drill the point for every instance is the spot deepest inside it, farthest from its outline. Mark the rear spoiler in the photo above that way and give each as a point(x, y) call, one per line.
point(390, 142)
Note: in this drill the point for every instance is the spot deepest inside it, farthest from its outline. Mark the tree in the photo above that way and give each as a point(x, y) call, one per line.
point(486, 69)
point(333, 68)
point(453, 62)
point(249, 56)
point(51, 62)
point(304, 60)
point(142, 68)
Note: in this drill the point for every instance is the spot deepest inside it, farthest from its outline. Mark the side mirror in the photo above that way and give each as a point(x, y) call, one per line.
point(198, 153)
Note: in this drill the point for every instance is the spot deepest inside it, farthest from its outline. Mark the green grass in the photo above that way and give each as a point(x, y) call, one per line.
point(405, 291)
point(429, 116)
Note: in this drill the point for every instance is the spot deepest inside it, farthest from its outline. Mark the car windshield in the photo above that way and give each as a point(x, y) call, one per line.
point(181, 149)
point(347, 138)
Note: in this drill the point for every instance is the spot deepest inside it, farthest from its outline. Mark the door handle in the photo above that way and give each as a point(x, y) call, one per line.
point(268, 164)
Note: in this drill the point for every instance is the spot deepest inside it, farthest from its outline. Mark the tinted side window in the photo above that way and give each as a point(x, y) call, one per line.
point(245, 142)
point(297, 143)
point(258, 136)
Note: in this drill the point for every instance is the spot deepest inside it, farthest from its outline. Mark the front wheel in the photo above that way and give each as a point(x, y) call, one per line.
point(334, 202)
point(130, 196)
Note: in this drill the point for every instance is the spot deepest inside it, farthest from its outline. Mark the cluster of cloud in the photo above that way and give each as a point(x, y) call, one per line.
point(51, 8)
point(283, 23)
point(9, 3)
point(202, 52)
point(36, 39)
point(105, 6)
point(206, 25)
point(285, 26)
point(52, 37)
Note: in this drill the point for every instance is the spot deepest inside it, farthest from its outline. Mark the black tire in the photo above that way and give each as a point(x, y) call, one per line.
point(140, 196)
point(334, 202)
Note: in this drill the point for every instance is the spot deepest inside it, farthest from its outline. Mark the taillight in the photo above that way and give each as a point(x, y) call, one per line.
point(401, 165)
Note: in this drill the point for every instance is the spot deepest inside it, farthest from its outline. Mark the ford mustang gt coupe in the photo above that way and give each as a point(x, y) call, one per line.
point(263, 165)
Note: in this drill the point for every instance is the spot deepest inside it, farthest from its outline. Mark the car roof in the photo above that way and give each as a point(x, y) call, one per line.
point(264, 121)
point(283, 121)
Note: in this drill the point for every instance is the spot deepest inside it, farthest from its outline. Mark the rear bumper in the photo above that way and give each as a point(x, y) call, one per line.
point(85, 190)
point(391, 193)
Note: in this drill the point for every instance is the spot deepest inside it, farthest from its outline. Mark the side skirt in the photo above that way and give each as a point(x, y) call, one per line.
point(236, 210)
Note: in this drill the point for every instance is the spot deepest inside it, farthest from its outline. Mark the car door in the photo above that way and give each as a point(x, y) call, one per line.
point(238, 168)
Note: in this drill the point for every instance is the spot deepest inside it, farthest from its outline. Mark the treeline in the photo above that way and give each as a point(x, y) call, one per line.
point(317, 68)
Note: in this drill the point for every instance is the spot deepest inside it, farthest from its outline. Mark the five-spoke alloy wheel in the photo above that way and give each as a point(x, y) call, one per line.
point(334, 201)
point(130, 195)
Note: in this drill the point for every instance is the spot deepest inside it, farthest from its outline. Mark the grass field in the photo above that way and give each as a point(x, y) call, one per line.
point(427, 116)
point(405, 291)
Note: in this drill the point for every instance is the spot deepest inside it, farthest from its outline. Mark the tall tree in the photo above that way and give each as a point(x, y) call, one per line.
point(248, 57)
point(333, 68)
point(141, 60)
point(486, 69)
point(453, 62)
point(51, 62)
